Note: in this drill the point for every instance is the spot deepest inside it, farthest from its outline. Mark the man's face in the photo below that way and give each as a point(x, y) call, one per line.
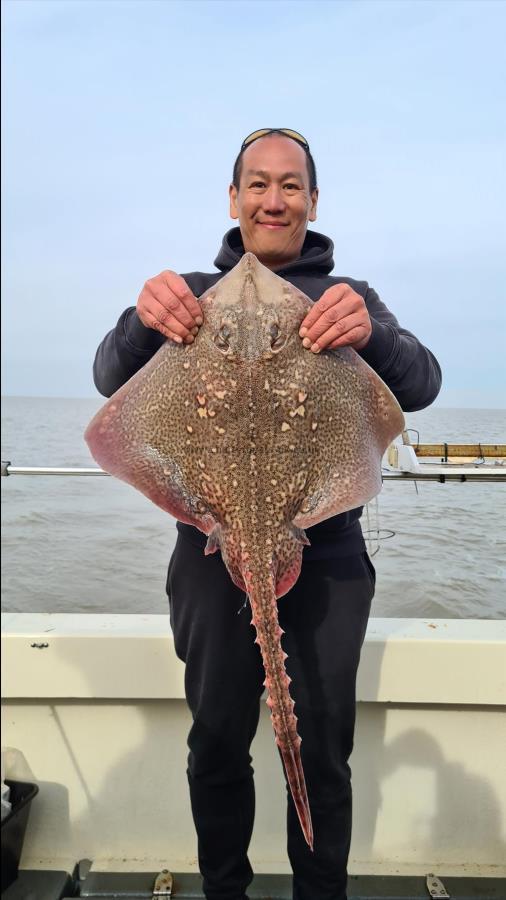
point(273, 203)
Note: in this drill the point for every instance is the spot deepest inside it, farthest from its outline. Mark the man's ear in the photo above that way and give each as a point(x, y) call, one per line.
point(232, 193)
point(314, 203)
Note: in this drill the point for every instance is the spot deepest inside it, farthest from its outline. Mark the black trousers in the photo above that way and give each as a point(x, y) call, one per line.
point(324, 617)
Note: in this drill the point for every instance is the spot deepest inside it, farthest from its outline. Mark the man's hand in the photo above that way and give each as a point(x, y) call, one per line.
point(167, 304)
point(338, 319)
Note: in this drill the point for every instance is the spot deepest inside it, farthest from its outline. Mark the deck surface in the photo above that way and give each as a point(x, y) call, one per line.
point(46, 885)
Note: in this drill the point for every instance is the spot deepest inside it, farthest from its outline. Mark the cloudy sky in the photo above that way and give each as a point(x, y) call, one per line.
point(121, 121)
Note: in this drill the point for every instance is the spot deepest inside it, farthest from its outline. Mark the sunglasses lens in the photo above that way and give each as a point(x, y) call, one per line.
point(261, 132)
point(255, 135)
point(295, 135)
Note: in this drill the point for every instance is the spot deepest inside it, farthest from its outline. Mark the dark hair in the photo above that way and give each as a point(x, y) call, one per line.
point(311, 168)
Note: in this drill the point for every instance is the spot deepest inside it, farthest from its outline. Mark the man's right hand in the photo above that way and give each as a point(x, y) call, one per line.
point(167, 304)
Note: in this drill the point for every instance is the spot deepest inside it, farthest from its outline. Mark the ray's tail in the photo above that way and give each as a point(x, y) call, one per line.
point(262, 594)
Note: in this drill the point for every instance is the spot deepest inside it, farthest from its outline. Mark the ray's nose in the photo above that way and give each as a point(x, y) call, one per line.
point(249, 260)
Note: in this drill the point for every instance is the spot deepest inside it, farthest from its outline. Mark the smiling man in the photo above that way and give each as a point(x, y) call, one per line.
point(274, 196)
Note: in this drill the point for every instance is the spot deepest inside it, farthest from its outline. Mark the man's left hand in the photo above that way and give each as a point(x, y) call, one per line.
point(338, 319)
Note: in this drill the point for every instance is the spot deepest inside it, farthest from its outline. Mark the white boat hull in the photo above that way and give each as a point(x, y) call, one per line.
point(97, 719)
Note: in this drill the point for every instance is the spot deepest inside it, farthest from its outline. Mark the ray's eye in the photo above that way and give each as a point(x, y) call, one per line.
point(222, 338)
point(275, 335)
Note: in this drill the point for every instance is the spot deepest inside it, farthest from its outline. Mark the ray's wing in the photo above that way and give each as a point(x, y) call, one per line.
point(358, 418)
point(137, 437)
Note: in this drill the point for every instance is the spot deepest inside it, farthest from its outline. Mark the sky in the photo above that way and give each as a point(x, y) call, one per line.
point(121, 122)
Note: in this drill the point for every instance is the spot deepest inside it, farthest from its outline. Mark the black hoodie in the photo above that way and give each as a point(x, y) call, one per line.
point(410, 370)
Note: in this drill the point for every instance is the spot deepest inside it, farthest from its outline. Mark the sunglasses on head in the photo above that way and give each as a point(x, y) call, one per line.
point(261, 132)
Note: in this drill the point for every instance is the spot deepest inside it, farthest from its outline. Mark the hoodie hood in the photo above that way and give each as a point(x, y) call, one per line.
point(316, 257)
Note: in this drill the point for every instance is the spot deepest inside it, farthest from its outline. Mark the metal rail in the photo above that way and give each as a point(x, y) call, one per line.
point(441, 473)
point(9, 469)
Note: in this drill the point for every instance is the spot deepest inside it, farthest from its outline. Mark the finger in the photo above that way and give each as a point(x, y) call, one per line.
point(166, 302)
point(168, 324)
point(170, 328)
point(347, 331)
point(329, 298)
point(329, 317)
point(351, 338)
point(179, 287)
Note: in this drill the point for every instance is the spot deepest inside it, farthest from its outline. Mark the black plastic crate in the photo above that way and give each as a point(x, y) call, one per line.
point(14, 828)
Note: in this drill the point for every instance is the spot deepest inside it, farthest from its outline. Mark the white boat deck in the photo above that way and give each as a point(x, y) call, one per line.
point(93, 711)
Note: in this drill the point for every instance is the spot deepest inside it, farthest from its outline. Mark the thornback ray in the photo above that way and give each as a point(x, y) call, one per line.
point(251, 438)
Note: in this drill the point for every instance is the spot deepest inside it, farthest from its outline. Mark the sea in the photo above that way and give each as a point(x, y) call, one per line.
point(96, 545)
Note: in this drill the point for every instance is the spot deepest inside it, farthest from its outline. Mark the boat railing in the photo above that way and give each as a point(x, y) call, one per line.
point(403, 461)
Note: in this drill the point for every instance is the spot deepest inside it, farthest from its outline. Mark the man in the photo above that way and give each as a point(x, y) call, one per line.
point(274, 195)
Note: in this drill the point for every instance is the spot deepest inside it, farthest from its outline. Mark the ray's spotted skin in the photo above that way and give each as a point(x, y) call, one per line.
point(251, 438)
